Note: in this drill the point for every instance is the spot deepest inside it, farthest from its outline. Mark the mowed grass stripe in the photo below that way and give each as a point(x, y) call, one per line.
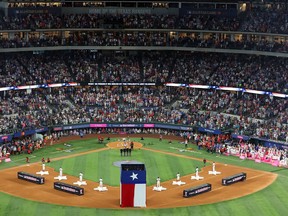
point(100, 165)
point(72, 211)
point(266, 206)
point(79, 164)
point(92, 163)
point(55, 210)
point(42, 209)
point(163, 170)
point(260, 203)
point(208, 211)
point(57, 164)
point(276, 193)
point(18, 209)
point(113, 171)
point(219, 210)
point(106, 170)
point(5, 207)
point(68, 166)
point(10, 206)
point(153, 168)
point(257, 205)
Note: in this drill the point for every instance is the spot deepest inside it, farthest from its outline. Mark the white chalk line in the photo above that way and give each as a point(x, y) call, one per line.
point(32, 156)
point(185, 150)
point(65, 150)
point(232, 159)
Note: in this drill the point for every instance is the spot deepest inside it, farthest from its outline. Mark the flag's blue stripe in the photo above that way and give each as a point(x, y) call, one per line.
point(133, 177)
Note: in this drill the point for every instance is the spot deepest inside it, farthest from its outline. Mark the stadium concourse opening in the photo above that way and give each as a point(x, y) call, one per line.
point(172, 197)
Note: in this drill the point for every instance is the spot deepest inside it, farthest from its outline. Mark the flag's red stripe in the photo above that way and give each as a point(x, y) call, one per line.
point(127, 195)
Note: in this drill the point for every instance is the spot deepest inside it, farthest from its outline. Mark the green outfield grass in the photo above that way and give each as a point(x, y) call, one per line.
point(271, 201)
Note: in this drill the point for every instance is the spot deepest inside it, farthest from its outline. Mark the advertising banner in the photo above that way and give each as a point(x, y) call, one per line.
point(207, 130)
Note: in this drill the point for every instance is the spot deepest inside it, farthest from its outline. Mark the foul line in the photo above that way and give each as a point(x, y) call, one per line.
point(65, 150)
point(185, 150)
point(232, 159)
point(32, 156)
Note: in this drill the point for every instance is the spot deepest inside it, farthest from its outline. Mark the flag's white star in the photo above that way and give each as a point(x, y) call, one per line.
point(134, 176)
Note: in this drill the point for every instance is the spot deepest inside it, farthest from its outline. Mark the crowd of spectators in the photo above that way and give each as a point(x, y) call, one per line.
point(247, 114)
point(272, 20)
point(12, 72)
point(251, 72)
point(81, 105)
point(144, 39)
point(21, 146)
point(47, 68)
point(156, 66)
point(117, 69)
point(225, 145)
point(84, 66)
point(256, 20)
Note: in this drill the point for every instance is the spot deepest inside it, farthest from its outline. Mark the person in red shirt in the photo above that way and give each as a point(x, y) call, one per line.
point(204, 161)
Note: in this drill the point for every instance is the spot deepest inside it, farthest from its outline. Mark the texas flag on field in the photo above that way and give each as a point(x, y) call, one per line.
point(133, 188)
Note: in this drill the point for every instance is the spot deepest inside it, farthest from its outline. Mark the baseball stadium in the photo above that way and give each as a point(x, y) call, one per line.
point(143, 107)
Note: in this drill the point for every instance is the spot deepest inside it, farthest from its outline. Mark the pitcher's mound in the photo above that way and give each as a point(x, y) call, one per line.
point(120, 144)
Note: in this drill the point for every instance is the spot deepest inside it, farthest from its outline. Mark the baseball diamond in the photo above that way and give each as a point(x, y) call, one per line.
point(172, 197)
